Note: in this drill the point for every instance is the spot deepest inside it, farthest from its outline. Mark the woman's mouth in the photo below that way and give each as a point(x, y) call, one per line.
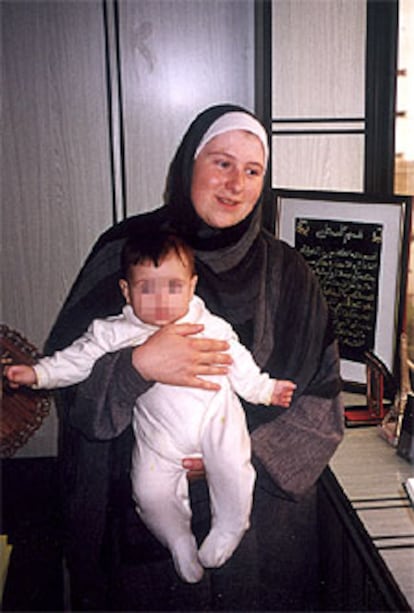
point(227, 202)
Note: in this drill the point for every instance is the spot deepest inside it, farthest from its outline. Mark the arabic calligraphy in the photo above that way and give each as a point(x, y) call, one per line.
point(345, 256)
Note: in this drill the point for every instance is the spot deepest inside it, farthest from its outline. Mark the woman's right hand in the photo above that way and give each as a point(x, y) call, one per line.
point(174, 357)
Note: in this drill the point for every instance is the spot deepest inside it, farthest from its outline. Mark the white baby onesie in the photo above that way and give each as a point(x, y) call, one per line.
point(171, 423)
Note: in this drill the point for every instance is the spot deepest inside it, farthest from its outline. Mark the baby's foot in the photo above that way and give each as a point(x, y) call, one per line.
point(186, 560)
point(217, 547)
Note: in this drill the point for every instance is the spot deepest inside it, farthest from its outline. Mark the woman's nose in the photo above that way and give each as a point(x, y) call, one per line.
point(235, 180)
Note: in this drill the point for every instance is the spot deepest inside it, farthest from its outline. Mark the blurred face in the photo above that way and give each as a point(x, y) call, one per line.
point(228, 178)
point(160, 295)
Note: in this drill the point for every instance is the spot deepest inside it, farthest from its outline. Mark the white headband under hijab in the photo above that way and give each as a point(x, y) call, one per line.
point(235, 120)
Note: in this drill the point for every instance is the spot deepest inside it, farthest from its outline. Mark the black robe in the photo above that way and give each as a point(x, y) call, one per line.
point(266, 291)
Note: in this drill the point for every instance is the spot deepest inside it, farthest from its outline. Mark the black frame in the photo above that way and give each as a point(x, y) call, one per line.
point(359, 198)
point(380, 95)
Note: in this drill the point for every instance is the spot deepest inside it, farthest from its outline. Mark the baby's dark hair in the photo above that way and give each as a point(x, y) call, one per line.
point(154, 247)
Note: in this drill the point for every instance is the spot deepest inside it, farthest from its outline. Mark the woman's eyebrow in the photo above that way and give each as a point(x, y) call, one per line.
point(220, 152)
point(230, 155)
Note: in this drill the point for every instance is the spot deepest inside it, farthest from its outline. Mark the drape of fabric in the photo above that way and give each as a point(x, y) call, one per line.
point(265, 290)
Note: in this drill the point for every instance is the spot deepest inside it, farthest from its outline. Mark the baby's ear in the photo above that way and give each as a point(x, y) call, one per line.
point(193, 282)
point(123, 284)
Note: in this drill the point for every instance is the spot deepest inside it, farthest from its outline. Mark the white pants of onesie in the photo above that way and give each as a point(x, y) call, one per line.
point(210, 424)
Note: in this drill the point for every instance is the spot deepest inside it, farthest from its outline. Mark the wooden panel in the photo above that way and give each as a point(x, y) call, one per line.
point(318, 73)
point(177, 57)
point(56, 193)
point(318, 58)
point(56, 175)
point(319, 162)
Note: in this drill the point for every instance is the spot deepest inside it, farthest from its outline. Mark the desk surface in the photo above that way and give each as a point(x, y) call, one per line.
point(371, 475)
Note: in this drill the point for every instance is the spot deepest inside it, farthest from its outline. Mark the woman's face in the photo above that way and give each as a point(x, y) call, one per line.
point(228, 178)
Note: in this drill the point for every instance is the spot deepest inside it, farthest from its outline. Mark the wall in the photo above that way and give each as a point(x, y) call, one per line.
point(318, 94)
point(96, 98)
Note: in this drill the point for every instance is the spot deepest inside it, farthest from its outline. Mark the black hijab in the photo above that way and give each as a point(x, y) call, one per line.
point(230, 266)
point(180, 209)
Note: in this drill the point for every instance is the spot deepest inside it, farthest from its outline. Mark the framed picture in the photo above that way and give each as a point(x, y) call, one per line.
point(357, 246)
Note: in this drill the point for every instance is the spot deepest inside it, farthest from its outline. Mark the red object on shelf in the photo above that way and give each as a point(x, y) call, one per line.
point(377, 407)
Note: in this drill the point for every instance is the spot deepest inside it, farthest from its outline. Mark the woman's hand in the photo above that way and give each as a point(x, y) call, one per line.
point(174, 357)
point(195, 468)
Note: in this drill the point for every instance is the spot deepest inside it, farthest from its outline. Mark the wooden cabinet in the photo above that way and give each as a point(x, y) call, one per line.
point(353, 576)
point(366, 527)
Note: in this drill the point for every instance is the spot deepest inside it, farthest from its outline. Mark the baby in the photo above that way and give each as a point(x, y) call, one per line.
point(171, 423)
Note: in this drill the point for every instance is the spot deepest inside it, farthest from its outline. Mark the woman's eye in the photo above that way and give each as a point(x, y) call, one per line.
point(223, 163)
point(253, 172)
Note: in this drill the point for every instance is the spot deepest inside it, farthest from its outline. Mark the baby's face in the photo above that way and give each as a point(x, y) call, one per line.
point(160, 295)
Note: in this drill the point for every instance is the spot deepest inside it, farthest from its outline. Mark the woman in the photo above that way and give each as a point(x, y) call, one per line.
point(265, 290)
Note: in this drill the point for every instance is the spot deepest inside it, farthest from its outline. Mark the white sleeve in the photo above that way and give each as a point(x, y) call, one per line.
point(74, 363)
point(246, 378)
point(244, 374)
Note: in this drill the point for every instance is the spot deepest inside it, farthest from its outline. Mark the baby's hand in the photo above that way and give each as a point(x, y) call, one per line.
point(20, 374)
point(282, 393)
